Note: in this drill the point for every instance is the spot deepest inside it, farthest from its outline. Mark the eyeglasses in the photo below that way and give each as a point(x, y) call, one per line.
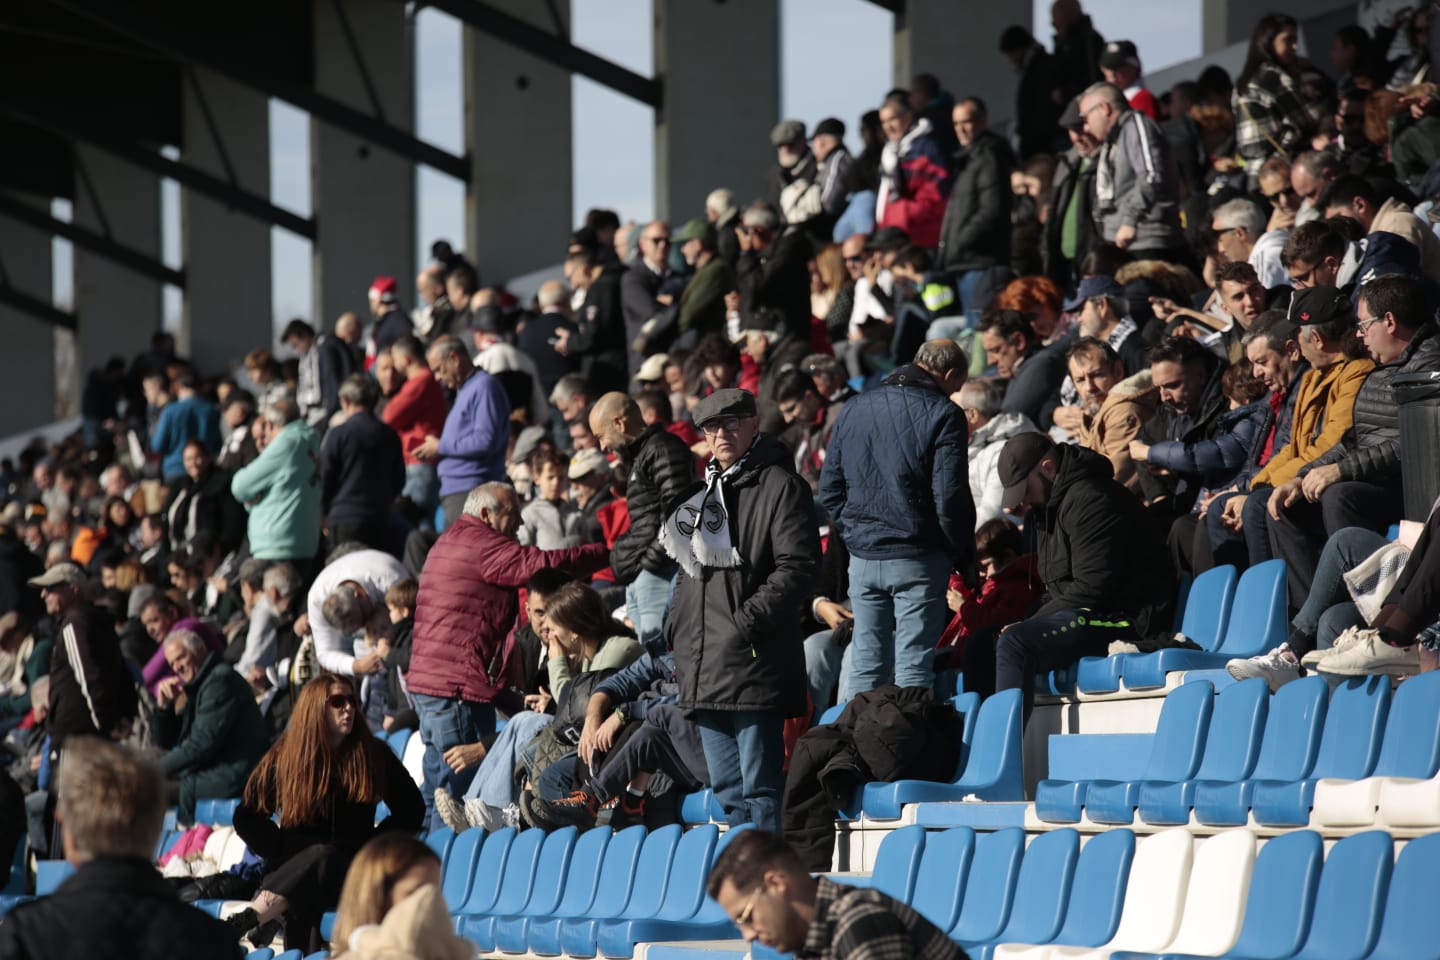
point(854, 259)
point(1363, 323)
point(339, 701)
point(742, 919)
point(1287, 192)
point(725, 424)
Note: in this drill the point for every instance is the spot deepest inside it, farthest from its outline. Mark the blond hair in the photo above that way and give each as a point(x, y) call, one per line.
point(365, 897)
point(112, 799)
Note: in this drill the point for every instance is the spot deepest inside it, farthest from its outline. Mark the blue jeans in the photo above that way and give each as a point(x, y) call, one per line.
point(1251, 545)
point(494, 783)
point(824, 659)
point(445, 723)
point(744, 752)
point(646, 600)
point(900, 612)
point(422, 487)
point(1328, 604)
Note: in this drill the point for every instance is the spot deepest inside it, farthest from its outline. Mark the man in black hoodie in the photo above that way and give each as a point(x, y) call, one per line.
point(1107, 576)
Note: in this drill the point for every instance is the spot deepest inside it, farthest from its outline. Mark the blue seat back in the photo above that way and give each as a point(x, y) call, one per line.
point(1353, 885)
point(398, 741)
point(1207, 606)
point(1180, 734)
point(944, 867)
point(587, 860)
point(1097, 894)
point(653, 874)
point(1412, 735)
point(898, 862)
point(489, 871)
point(685, 891)
point(1411, 927)
point(1232, 744)
point(520, 866)
point(263, 953)
point(831, 714)
point(1281, 899)
point(550, 872)
point(1293, 729)
point(459, 866)
point(1353, 729)
point(1043, 887)
point(439, 841)
point(991, 886)
point(993, 766)
point(1259, 617)
point(630, 851)
point(290, 955)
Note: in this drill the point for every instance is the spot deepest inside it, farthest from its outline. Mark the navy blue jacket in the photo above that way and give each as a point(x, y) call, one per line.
point(896, 481)
point(362, 470)
point(646, 683)
point(1218, 460)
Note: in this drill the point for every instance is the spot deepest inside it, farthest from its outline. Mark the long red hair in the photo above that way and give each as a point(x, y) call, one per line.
point(302, 773)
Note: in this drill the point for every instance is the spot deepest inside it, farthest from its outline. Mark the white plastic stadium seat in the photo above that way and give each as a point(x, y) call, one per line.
point(1216, 895)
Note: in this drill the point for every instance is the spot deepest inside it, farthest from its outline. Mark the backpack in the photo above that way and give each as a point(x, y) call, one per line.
point(563, 735)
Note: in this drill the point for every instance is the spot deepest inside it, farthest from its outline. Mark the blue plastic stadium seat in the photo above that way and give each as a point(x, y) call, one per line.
point(603, 889)
point(218, 812)
point(293, 955)
point(1042, 889)
point(1287, 752)
point(1057, 683)
point(578, 936)
point(555, 888)
point(1411, 928)
point(944, 869)
point(1353, 886)
point(1232, 747)
point(551, 869)
point(521, 862)
point(397, 741)
point(1097, 894)
point(990, 767)
point(991, 886)
point(897, 863)
point(49, 874)
point(1175, 753)
point(264, 953)
point(695, 807)
point(1207, 611)
point(460, 867)
point(1348, 750)
point(440, 840)
point(489, 871)
point(1258, 622)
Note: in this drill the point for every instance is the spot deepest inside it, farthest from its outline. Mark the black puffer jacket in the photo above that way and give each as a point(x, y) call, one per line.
point(1205, 423)
point(1370, 449)
point(1096, 547)
point(662, 469)
point(736, 631)
point(975, 233)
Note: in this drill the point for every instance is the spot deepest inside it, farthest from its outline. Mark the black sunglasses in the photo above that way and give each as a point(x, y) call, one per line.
point(339, 701)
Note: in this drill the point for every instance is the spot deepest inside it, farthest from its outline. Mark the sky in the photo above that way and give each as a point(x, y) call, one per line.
point(836, 59)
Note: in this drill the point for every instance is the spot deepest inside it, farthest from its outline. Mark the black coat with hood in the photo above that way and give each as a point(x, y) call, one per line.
point(1097, 549)
point(975, 233)
point(737, 631)
point(662, 469)
point(1206, 423)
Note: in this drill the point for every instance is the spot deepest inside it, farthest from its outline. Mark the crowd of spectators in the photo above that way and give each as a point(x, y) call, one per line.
point(970, 401)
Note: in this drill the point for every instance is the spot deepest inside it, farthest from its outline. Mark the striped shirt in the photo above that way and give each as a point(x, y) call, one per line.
point(857, 923)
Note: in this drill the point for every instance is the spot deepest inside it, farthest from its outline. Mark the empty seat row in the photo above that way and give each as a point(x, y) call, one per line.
point(1220, 760)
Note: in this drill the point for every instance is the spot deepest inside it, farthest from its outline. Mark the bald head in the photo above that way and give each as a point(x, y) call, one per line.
point(552, 295)
point(616, 421)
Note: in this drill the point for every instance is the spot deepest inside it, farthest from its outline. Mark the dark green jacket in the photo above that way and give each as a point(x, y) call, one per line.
point(217, 739)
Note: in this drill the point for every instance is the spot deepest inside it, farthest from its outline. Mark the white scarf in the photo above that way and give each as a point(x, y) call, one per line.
point(697, 534)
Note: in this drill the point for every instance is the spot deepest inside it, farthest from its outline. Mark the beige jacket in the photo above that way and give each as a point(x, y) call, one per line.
point(417, 928)
point(1118, 421)
point(1396, 217)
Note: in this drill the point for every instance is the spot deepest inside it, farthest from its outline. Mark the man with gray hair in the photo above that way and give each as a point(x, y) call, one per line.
point(1136, 203)
point(362, 470)
point(772, 275)
point(347, 594)
point(1241, 237)
point(206, 715)
point(721, 211)
point(463, 655)
point(281, 489)
point(471, 448)
point(990, 427)
point(895, 484)
point(112, 807)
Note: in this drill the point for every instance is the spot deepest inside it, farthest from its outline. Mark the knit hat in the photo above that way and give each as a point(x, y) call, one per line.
point(385, 288)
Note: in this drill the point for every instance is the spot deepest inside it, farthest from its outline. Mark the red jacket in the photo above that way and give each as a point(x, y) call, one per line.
point(415, 412)
point(469, 601)
point(1006, 598)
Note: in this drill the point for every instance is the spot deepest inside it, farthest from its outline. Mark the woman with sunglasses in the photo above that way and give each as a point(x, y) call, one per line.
point(310, 806)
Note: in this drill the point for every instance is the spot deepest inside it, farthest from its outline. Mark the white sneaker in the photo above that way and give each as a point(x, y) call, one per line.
point(1370, 655)
point(451, 811)
point(1348, 638)
point(1275, 668)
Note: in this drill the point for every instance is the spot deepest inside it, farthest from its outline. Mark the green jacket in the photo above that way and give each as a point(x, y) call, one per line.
point(702, 304)
point(281, 487)
point(217, 739)
point(37, 665)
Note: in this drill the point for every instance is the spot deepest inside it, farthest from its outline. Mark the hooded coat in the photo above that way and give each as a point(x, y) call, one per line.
point(1119, 420)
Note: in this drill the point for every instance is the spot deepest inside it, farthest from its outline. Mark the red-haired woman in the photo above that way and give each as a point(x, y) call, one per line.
point(320, 782)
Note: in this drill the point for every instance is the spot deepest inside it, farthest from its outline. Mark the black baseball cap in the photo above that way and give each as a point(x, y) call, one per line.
point(1018, 457)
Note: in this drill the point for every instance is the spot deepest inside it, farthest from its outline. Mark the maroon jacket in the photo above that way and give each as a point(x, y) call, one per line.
point(468, 604)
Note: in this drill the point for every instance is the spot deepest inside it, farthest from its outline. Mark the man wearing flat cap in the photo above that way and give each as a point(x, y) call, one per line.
point(794, 186)
point(748, 551)
point(1106, 572)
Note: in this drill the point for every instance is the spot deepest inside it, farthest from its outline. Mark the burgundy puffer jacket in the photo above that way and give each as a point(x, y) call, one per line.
point(469, 600)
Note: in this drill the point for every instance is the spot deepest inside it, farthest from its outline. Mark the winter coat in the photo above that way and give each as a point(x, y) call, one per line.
point(599, 337)
point(322, 369)
point(115, 908)
point(417, 928)
point(362, 471)
point(984, 455)
point(1216, 461)
point(415, 412)
point(1039, 103)
point(549, 525)
point(1034, 390)
point(1370, 450)
point(207, 505)
point(1121, 417)
point(774, 285)
point(886, 734)
point(638, 288)
point(1006, 597)
point(1137, 185)
point(1275, 429)
point(284, 483)
point(1272, 116)
point(91, 686)
point(662, 469)
point(1096, 547)
point(1077, 57)
point(1074, 180)
point(468, 604)
point(215, 741)
point(975, 232)
point(913, 197)
point(477, 431)
point(1202, 424)
point(895, 481)
point(736, 630)
point(1324, 411)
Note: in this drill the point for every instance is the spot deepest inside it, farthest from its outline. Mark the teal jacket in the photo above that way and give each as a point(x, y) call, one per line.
point(217, 739)
point(281, 488)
